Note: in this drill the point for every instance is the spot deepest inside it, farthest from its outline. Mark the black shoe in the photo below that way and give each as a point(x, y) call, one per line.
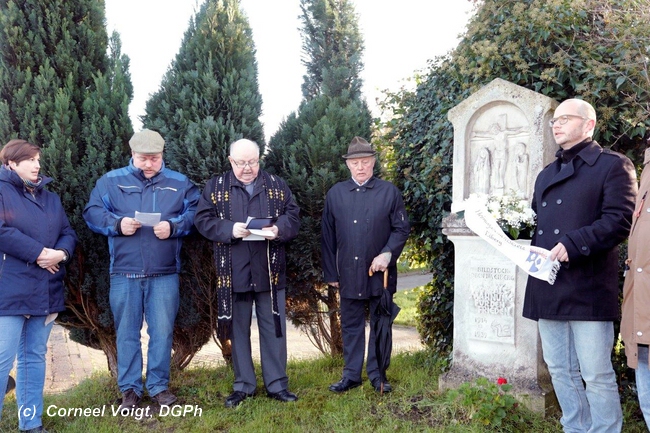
point(236, 398)
point(343, 385)
point(377, 385)
point(11, 384)
point(164, 398)
point(129, 399)
point(284, 395)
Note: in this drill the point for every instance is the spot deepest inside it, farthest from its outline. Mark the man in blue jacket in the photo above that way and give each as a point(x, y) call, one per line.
point(144, 210)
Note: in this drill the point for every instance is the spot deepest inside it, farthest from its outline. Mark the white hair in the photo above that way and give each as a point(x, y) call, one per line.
point(241, 142)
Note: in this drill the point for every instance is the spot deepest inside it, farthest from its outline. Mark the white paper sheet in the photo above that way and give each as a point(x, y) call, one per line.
point(147, 219)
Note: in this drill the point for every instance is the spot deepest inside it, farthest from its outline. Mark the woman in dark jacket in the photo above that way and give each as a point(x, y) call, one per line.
point(35, 241)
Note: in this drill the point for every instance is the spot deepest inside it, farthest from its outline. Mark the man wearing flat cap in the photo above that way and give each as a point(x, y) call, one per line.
point(144, 209)
point(364, 229)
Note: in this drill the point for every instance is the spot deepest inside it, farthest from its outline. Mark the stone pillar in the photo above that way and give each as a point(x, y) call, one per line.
point(501, 142)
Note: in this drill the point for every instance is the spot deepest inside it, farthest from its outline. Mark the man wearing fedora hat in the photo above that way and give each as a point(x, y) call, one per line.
point(364, 229)
point(145, 260)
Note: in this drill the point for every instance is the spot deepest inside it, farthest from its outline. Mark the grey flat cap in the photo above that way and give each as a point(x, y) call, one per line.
point(147, 141)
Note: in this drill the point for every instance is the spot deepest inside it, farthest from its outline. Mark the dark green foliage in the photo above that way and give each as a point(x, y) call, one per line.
point(208, 99)
point(591, 49)
point(306, 151)
point(332, 46)
point(65, 87)
point(436, 315)
point(625, 376)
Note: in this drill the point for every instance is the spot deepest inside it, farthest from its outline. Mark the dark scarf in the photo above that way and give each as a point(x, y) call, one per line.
point(31, 186)
point(565, 156)
point(223, 255)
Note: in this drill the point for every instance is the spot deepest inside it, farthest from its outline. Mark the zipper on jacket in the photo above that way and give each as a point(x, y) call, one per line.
point(153, 192)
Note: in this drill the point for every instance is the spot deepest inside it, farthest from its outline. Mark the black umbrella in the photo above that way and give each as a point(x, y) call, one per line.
point(385, 315)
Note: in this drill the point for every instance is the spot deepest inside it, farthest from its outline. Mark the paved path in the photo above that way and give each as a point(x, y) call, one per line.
point(68, 362)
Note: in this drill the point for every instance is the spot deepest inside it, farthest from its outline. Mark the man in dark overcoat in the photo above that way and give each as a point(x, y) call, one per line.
point(364, 228)
point(584, 202)
point(250, 267)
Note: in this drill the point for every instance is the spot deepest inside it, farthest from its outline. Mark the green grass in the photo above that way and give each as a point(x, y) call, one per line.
point(415, 405)
point(408, 301)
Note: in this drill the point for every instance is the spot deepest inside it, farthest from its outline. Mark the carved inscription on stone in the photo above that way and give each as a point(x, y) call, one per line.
point(492, 310)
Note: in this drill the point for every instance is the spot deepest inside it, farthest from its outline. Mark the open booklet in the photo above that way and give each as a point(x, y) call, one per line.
point(256, 227)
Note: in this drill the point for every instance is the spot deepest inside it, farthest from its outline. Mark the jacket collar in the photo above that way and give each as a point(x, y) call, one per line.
point(590, 153)
point(140, 174)
point(566, 155)
point(352, 185)
point(10, 176)
point(236, 182)
point(259, 184)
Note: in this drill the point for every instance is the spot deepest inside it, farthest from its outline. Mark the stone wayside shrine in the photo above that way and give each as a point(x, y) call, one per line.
point(501, 142)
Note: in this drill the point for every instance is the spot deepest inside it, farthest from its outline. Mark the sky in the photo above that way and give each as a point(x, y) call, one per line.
point(399, 37)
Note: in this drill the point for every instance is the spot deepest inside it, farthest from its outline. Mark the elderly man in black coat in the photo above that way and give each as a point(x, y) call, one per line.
point(584, 202)
point(364, 228)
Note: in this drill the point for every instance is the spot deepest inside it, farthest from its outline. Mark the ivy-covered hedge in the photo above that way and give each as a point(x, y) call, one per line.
point(591, 49)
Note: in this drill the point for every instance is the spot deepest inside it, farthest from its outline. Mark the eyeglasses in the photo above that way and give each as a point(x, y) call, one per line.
point(562, 120)
point(242, 164)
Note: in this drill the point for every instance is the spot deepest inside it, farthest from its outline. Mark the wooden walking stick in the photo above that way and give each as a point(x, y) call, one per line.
point(385, 277)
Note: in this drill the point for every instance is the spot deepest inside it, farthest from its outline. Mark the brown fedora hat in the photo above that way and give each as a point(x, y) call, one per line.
point(359, 148)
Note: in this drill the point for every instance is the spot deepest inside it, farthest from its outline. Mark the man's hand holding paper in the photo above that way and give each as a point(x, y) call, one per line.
point(162, 230)
point(147, 219)
point(269, 233)
point(128, 226)
point(261, 228)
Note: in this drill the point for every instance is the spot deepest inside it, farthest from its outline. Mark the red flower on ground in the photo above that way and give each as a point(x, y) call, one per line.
point(502, 381)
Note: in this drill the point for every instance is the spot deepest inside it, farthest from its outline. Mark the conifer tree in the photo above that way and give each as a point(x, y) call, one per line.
point(208, 98)
point(306, 151)
point(65, 87)
point(332, 47)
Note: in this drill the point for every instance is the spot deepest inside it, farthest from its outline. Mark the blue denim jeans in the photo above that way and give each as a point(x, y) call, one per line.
point(581, 350)
point(643, 383)
point(26, 339)
point(154, 299)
